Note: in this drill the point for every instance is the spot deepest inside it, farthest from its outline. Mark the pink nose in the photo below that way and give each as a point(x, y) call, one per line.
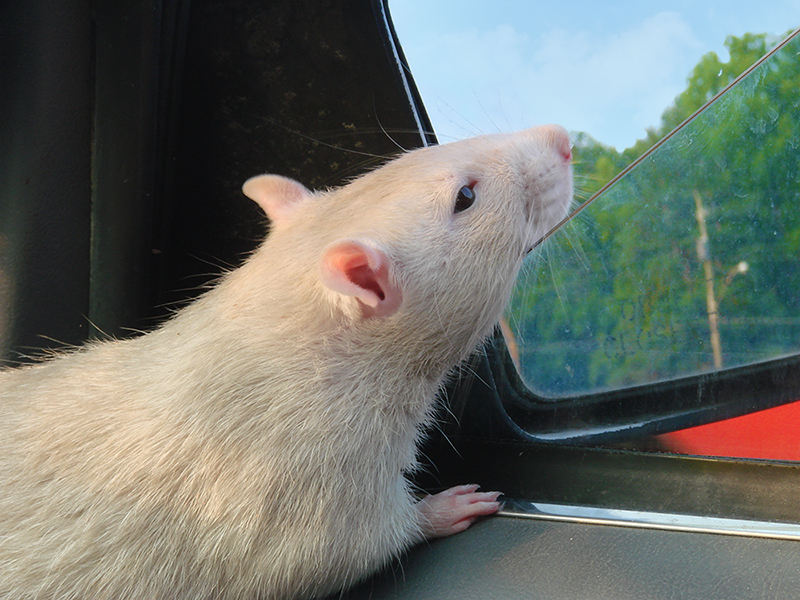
point(559, 137)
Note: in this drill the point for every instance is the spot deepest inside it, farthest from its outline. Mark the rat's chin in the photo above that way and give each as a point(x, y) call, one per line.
point(532, 241)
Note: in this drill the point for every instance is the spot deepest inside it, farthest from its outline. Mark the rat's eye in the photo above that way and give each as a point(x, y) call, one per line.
point(465, 199)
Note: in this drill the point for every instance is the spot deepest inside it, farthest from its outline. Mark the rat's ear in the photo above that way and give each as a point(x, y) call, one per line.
point(356, 269)
point(277, 195)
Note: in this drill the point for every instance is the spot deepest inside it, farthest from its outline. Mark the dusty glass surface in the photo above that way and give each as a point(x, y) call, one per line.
point(689, 263)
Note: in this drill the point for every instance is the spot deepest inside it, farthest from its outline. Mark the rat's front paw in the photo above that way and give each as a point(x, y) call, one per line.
point(453, 510)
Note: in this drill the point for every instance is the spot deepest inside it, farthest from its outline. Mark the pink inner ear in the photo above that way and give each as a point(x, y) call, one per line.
point(349, 271)
point(363, 277)
point(353, 268)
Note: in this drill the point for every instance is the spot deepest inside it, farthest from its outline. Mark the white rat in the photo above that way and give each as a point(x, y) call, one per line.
point(257, 444)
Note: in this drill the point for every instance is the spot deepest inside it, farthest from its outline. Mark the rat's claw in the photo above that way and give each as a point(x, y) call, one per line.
point(453, 510)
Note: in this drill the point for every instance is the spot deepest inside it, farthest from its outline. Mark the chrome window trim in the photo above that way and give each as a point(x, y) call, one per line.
point(589, 515)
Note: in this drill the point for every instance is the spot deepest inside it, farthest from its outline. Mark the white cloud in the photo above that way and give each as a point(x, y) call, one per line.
point(613, 86)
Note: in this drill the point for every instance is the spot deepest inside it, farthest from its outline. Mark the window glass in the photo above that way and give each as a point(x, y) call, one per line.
point(691, 261)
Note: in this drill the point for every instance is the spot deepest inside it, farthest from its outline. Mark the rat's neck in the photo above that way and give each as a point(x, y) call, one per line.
point(249, 366)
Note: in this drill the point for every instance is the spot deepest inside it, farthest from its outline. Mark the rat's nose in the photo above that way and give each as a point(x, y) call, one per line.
point(559, 138)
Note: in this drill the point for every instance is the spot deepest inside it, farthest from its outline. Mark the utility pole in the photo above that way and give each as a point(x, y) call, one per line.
point(711, 303)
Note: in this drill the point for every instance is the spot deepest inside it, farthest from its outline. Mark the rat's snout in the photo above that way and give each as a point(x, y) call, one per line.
point(548, 176)
point(558, 137)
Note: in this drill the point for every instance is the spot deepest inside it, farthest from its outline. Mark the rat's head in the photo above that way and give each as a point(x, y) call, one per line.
point(432, 240)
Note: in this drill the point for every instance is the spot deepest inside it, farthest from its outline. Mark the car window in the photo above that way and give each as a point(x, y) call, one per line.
point(685, 268)
point(687, 264)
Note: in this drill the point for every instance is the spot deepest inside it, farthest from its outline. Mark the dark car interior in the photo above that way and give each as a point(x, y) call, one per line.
point(126, 131)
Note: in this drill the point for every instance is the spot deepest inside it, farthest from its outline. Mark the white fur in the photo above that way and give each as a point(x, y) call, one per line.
point(256, 444)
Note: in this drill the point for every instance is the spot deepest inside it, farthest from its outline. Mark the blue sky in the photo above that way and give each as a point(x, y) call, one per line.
point(606, 68)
